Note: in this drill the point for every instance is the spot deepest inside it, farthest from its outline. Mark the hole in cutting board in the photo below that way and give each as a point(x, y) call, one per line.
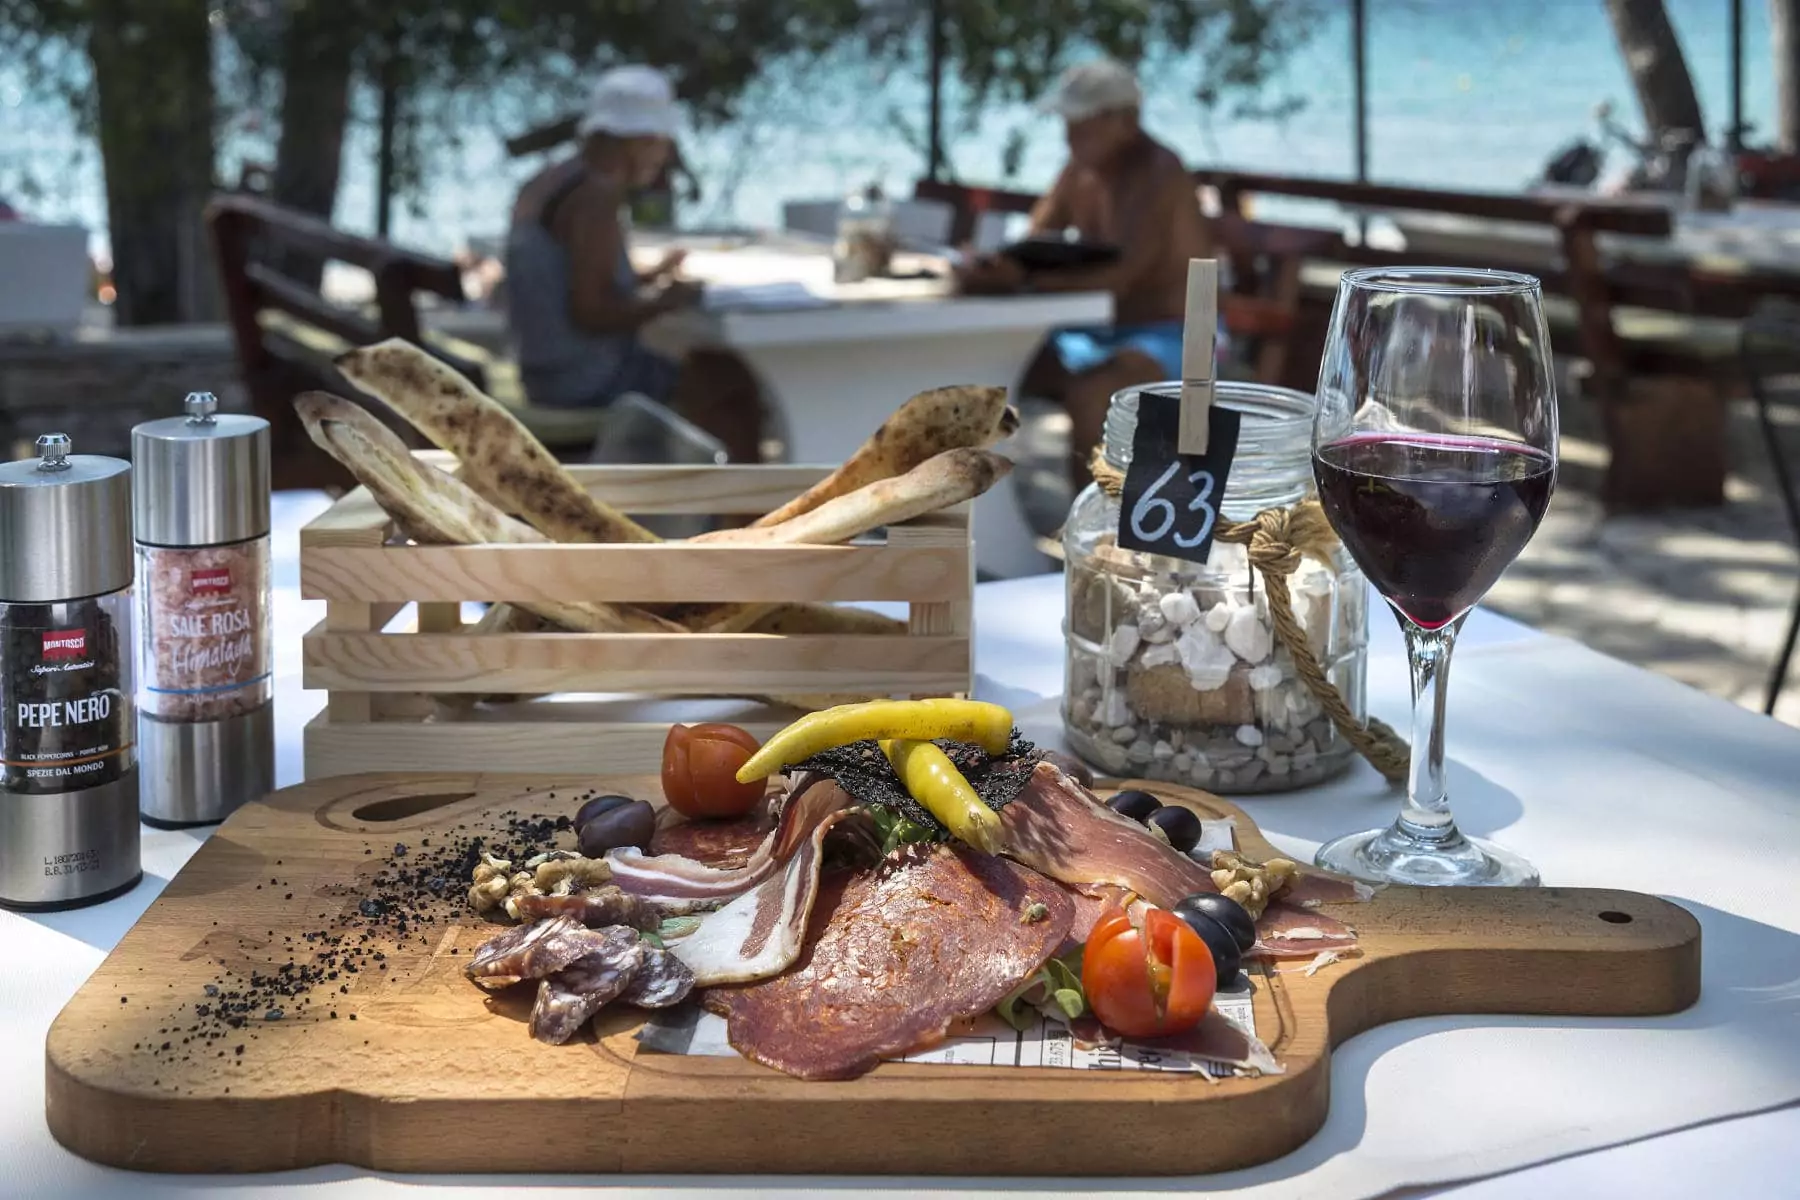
point(1616, 918)
point(398, 808)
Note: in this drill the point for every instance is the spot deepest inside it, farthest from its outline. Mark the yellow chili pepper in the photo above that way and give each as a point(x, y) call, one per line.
point(933, 780)
point(987, 725)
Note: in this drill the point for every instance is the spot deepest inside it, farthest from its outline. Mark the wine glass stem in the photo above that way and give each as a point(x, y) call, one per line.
point(1426, 813)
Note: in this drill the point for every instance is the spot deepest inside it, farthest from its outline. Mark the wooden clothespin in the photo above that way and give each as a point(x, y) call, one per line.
point(1199, 335)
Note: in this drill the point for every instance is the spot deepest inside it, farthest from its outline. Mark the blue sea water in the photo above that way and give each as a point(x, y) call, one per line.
point(1462, 93)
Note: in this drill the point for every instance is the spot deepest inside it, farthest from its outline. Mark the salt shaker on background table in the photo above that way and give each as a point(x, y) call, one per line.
point(68, 774)
point(206, 721)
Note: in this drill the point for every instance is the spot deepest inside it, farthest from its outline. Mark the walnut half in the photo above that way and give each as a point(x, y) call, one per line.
point(1251, 884)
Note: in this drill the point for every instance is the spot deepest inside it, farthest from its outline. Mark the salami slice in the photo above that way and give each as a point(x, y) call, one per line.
point(568, 998)
point(716, 843)
point(895, 956)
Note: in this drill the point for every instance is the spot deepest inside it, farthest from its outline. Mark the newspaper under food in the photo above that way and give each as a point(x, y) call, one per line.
point(991, 1042)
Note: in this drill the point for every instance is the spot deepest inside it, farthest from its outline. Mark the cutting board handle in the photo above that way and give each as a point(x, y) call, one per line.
point(1506, 950)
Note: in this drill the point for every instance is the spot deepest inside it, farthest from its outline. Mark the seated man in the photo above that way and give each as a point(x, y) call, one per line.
point(576, 304)
point(1121, 188)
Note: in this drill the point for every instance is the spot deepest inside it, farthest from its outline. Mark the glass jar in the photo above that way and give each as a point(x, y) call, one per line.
point(1175, 672)
point(865, 236)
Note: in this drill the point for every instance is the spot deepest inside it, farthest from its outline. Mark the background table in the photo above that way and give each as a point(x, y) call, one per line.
point(1542, 732)
point(835, 359)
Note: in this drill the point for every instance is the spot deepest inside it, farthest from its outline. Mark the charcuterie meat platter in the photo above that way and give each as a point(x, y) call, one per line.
point(317, 985)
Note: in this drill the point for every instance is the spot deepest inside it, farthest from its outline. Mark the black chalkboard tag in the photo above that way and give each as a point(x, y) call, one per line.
point(1170, 505)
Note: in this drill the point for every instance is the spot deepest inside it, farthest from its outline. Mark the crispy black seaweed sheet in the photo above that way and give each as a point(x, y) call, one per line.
point(861, 769)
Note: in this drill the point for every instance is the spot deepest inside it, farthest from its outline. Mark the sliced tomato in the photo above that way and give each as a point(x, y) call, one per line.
point(1147, 982)
point(699, 770)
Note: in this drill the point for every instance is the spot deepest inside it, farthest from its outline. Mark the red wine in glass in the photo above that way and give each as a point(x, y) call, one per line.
point(1434, 447)
point(1433, 519)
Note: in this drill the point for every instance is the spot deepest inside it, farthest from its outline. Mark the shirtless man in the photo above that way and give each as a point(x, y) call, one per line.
point(577, 306)
point(1121, 188)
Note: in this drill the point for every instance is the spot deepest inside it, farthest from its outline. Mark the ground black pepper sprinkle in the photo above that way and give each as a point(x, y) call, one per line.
point(411, 890)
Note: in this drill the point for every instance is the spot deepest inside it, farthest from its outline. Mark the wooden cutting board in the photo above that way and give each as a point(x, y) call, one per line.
point(403, 1065)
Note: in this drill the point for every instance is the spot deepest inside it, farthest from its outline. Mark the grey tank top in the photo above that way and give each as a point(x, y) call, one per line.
point(560, 364)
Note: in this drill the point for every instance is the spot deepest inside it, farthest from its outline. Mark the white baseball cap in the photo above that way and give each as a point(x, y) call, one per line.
point(631, 102)
point(1091, 88)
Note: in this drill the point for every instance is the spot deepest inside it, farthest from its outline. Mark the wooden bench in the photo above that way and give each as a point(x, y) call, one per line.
point(1658, 360)
point(1656, 350)
point(286, 332)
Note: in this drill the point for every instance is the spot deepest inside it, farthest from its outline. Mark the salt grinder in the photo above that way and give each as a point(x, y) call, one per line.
point(206, 722)
point(68, 768)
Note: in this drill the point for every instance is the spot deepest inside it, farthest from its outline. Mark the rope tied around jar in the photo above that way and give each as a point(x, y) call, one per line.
point(1276, 540)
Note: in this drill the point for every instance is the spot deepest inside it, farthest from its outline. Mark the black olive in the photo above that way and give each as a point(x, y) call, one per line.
point(1134, 804)
point(596, 806)
point(628, 824)
point(1180, 825)
point(1071, 766)
point(1225, 911)
point(1227, 958)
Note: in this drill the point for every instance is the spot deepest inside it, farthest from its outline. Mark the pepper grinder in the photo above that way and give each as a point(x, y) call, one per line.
point(206, 719)
point(68, 775)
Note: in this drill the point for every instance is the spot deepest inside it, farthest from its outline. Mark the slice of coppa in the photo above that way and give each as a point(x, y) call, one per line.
point(894, 957)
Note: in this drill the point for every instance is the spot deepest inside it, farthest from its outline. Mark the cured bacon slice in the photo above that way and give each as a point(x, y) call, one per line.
point(896, 956)
point(1057, 827)
point(682, 885)
point(759, 934)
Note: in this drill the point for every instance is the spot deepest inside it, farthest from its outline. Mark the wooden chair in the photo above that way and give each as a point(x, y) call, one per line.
point(287, 333)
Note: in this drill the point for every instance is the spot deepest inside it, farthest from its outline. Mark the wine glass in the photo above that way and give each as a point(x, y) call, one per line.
point(1434, 446)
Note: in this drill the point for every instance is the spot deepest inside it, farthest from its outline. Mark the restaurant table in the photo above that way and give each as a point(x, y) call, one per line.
point(1602, 774)
point(836, 359)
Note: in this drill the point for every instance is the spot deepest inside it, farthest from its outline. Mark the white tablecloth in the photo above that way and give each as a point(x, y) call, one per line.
point(1602, 774)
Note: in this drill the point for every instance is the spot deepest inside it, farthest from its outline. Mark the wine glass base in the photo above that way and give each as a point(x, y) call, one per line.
point(1389, 855)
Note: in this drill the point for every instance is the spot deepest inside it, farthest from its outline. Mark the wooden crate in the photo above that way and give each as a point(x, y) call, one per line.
point(381, 714)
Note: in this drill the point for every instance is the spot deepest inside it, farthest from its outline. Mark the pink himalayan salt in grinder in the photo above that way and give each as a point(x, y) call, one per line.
point(206, 722)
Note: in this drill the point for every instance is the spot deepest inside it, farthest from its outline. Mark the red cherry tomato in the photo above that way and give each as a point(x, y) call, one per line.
point(1147, 982)
point(699, 770)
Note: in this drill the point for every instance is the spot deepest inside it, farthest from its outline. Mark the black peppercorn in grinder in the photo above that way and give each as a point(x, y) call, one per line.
point(68, 767)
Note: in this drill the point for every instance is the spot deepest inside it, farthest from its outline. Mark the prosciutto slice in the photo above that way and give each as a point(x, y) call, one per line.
point(682, 885)
point(1288, 931)
point(1056, 826)
point(759, 934)
point(893, 958)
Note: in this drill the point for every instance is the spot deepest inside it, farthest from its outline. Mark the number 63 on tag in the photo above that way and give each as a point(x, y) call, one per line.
point(1170, 504)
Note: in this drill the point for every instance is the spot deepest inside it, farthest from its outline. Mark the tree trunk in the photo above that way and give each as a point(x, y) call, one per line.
point(1659, 72)
point(153, 81)
point(1784, 40)
point(316, 66)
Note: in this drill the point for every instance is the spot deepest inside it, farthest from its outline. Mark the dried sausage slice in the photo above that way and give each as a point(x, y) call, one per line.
point(894, 956)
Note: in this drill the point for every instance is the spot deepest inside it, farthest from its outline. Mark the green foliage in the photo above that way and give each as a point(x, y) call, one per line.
point(1014, 49)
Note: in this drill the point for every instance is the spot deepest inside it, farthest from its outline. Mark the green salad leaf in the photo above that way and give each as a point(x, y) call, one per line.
point(1054, 991)
point(896, 829)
